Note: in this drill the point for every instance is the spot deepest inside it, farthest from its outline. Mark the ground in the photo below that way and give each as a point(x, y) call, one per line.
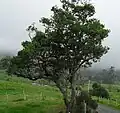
point(106, 109)
point(18, 95)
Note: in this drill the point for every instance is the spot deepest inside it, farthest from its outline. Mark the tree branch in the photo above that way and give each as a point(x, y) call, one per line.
point(81, 64)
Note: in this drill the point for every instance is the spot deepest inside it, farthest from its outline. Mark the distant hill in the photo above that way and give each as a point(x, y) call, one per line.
point(2, 54)
point(1, 57)
point(5, 54)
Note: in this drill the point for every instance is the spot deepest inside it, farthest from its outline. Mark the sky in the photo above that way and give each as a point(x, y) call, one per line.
point(17, 15)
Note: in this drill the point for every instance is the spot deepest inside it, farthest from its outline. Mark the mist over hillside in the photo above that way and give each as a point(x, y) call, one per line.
point(7, 53)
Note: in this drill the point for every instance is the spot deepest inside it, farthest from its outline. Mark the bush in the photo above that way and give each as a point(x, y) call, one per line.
point(99, 91)
point(118, 90)
point(96, 86)
point(91, 104)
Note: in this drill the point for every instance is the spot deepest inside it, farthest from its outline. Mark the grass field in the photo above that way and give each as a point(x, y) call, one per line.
point(18, 95)
point(114, 92)
point(114, 101)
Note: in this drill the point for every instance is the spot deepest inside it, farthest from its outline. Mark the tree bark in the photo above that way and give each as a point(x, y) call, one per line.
point(69, 102)
point(68, 108)
point(64, 93)
point(73, 94)
point(72, 101)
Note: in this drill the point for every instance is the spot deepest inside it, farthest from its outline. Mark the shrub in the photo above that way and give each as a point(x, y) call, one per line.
point(99, 91)
point(91, 104)
point(118, 90)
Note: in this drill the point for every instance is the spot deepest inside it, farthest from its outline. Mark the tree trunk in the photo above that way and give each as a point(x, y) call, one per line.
point(72, 101)
point(68, 110)
point(66, 101)
point(69, 102)
point(73, 93)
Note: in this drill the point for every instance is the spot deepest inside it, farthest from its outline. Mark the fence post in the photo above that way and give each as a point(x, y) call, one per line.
point(42, 96)
point(88, 86)
point(24, 95)
point(108, 101)
point(99, 98)
point(85, 107)
point(6, 96)
point(116, 101)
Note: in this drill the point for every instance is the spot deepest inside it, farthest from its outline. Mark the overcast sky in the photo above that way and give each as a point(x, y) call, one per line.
point(17, 15)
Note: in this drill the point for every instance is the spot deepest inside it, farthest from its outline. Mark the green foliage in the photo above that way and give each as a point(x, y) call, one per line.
point(85, 97)
point(99, 91)
point(96, 86)
point(72, 39)
point(5, 62)
point(114, 100)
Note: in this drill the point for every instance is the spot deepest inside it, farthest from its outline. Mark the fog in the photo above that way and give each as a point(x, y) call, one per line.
point(17, 15)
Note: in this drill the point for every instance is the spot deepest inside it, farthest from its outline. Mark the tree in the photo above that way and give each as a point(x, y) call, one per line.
point(111, 74)
point(99, 91)
point(72, 39)
point(107, 76)
point(5, 62)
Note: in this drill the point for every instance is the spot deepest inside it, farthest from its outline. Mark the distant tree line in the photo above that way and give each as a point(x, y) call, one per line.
point(105, 76)
point(5, 62)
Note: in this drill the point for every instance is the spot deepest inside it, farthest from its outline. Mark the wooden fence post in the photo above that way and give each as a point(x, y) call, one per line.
point(24, 95)
point(88, 86)
point(116, 101)
point(108, 101)
point(6, 96)
point(85, 107)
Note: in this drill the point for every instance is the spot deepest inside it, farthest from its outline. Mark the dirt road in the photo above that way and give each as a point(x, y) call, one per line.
point(106, 109)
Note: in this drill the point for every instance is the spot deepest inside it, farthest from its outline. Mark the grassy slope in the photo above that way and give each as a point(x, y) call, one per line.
point(114, 102)
point(39, 99)
point(114, 95)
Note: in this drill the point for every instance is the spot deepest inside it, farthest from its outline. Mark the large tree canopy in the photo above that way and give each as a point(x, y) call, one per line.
point(72, 39)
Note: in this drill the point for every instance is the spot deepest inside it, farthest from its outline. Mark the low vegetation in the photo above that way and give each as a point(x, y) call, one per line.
point(114, 96)
point(18, 95)
point(114, 100)
point(99, 91)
